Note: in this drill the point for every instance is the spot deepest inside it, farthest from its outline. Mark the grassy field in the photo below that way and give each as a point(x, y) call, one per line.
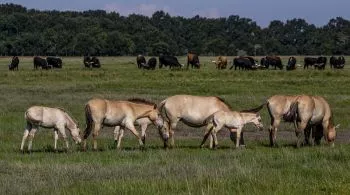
point(186, 169)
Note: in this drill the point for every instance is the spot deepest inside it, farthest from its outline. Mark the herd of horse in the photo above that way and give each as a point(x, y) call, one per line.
point(311, 116)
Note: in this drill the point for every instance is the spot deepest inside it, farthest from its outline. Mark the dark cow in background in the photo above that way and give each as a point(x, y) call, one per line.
point(55, 62)
point(91, 62)
point(309, 61)
point(221, 62)
point(193, 60)
point(244, 63)
point(141, 61)
point(40, 62)
point(292, 61)
point(14, 63)
point(337, 63)
point(170, 61)
point(151, 64)
point(321, 63)
point(271, 61)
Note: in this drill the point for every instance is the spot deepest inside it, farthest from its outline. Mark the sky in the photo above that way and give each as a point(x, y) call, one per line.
point(317, 12)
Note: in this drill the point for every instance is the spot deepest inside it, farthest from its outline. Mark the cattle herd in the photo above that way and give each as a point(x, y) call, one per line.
point(240, 62)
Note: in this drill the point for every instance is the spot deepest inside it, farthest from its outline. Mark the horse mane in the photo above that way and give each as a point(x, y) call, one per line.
point(141, 101)
point(68, 115)
point(223, 101)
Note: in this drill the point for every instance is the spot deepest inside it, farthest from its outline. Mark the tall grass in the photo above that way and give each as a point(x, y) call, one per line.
point(185, 169)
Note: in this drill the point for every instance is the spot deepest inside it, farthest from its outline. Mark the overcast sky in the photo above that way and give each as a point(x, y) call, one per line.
point(317, 12)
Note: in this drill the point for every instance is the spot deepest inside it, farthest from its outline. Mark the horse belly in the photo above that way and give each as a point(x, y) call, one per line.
point(113, 121)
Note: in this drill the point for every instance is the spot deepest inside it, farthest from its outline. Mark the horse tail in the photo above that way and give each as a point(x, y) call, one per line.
point(257, 109)
point(291, 115)
point(89, 121)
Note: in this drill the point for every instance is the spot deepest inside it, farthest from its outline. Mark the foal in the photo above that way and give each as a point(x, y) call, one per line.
point(231, 120)
point(56, 118)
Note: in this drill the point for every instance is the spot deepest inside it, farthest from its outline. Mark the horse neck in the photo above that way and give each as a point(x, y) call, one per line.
point(247, 117)
point(70, 123)
point(142, 110)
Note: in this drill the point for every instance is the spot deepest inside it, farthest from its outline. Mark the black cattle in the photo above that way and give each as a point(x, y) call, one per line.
point(55, 62)
point(14, 63)
point(337, 62)
point(40, 62)
point(321, 63)
point(152, 63)
point(244, 63)
point(272, 61)
point(193, 59)
point(170, 61)
point(141, 61)
point(292, 61)
point(309, 61)
point(91, 62)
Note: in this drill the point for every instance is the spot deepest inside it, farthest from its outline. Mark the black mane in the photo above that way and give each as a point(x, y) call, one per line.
point(142, 101)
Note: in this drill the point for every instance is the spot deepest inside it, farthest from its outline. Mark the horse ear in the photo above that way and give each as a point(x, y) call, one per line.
point(155, 106)
point(337, 126)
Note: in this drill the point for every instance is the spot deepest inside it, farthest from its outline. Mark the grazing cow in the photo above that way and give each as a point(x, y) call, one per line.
point(291, 63)
point(244, 63)
point(55, 62)
point(221, 62)
point(14, 63)
point(193, 60)
point(273, 61)
point(170, 61)
point(321, 63)
point(151, 64)
point(40, 62)
point(91, 62)
point(309, 61)
point(337, 62)
point(141, 61)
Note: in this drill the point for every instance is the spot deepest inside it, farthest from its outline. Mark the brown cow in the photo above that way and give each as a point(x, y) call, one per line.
point(221, 62)
point(193, 60)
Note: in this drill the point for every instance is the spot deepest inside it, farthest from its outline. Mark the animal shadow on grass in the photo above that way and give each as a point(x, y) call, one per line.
point(47, 149)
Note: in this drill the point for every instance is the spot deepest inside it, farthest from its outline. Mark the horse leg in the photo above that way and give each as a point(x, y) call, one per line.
point(300, 128)
point(307, 132)
point(25, 134)
point(55, 139)
point(171, 133)
point(62, 130)
point(96, 130)
point(131, 127)
point(119, 136)
point(31, 137)
point(238, 137)
point(213, 134)
point(210, 128)
point(273, 131)
point(143, 133)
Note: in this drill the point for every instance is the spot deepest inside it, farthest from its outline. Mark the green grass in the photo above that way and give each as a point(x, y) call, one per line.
point(186, 169)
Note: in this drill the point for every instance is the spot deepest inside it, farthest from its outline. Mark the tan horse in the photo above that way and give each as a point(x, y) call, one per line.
point(191, 110)
point(142, 122)
point(306, 112)
point(101, 112)
point(232, 120)
point(56, 118)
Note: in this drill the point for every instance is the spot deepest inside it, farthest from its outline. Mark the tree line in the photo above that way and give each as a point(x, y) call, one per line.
point(95, 32)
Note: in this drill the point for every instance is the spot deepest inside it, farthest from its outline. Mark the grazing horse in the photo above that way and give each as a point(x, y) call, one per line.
point(14, 63)
point(306, 112)
point(191, 110)
point(221, 62)
point(101, 112)
point(232, 120)
point(46, 117)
